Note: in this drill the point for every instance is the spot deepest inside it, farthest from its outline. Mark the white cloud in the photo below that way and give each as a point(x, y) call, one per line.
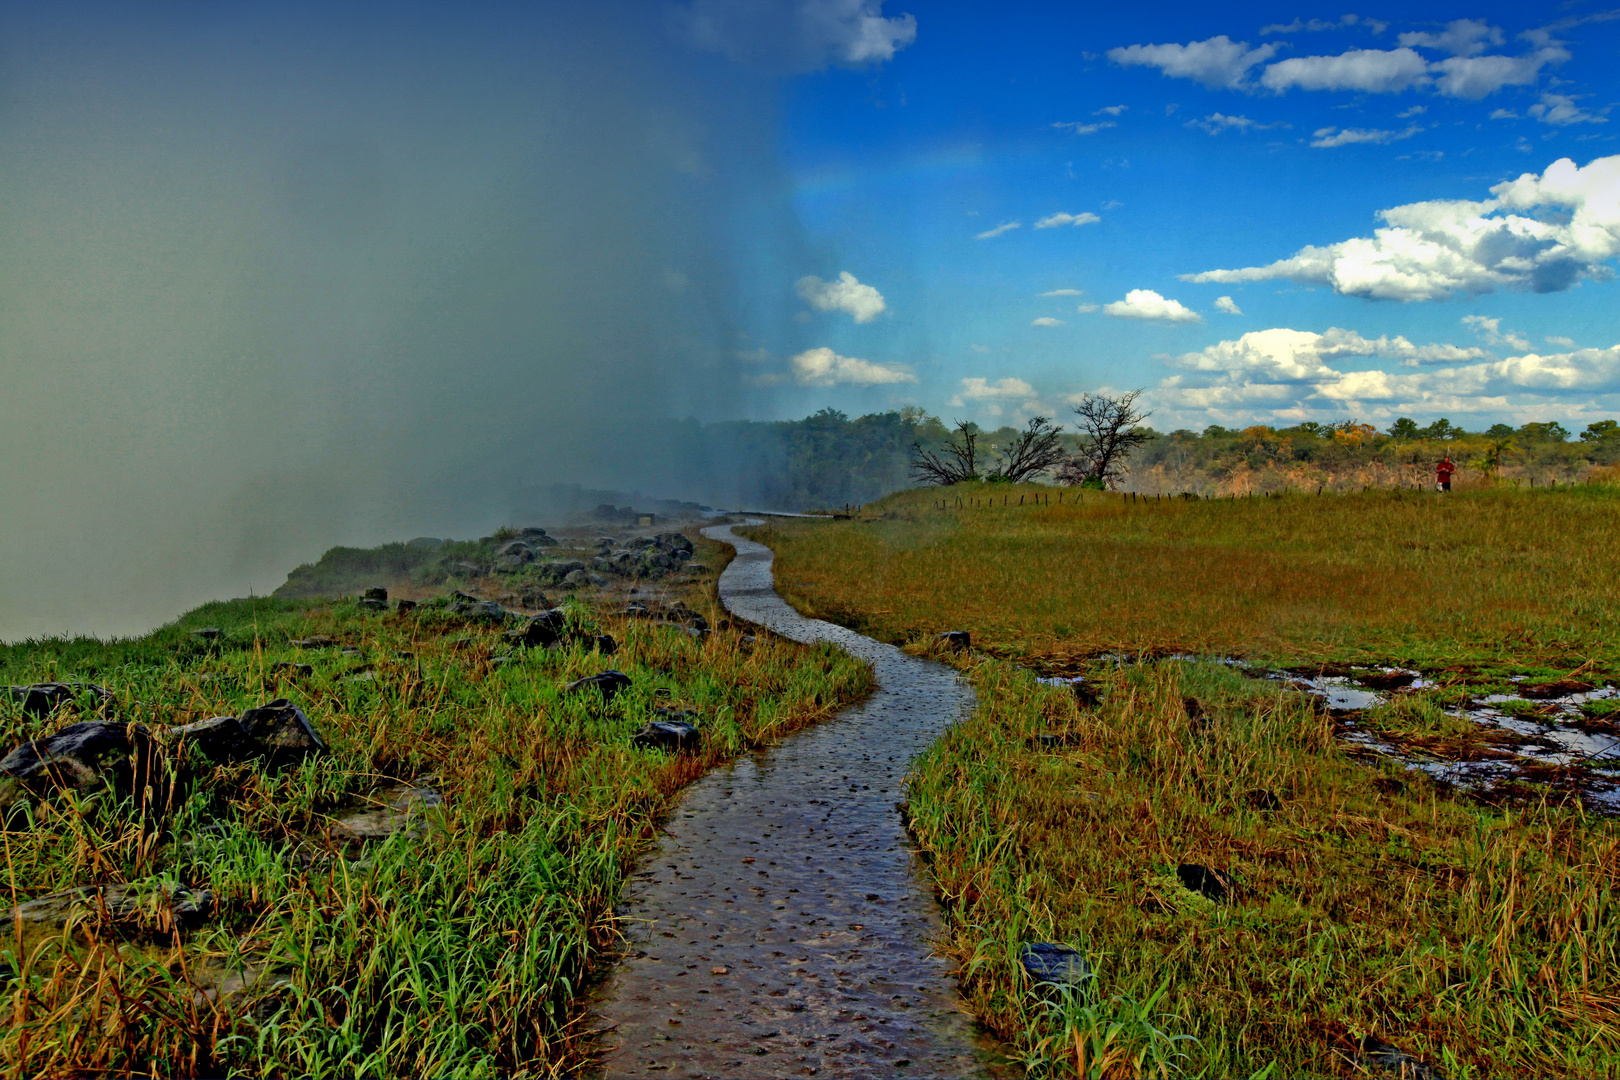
point(1538, 233)
point(1474, 77)
point(1065, 292)
point(1079, 128)
point(1228, 305)
point(1284, 356)
point(1147, 304)
point(823, 367)
point(1416, 110)
point(1055, 220)
point(980, 348)
point(1372, 71)
point(1568, 343)
point(1461, 37)
point(1326, 138)
point(1005, 226)
point(995, 398)
point(1504, 114)
point(1215, 123)
point(1046, 320)
point(1087, 309)
point(1493, 334)
point(805, 35)
point(1217, 62)
point(846, 294)
point(1316, 25)
point(1561, 109)
point(1110, 110)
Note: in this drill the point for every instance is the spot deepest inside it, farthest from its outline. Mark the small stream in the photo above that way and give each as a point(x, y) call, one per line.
point(783, 927)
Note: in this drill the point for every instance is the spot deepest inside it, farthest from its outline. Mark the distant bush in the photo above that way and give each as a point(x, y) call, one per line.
point(344, 570)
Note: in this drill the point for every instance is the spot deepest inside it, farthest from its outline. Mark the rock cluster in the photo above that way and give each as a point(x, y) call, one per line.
point(41, 699)
point(645, 556)
point(553, 628)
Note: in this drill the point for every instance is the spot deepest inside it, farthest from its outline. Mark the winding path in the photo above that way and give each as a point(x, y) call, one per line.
point(782, 928)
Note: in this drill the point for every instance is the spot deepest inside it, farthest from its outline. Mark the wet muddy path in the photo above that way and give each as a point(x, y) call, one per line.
point(782, 927)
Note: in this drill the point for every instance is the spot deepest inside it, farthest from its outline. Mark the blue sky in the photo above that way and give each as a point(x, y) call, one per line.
point(1050, 199)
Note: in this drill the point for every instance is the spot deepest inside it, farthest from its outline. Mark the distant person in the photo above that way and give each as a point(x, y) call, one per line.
point(1443, 471)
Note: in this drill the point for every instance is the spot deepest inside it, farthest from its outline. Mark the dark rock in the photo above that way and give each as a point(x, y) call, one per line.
point(39, 700)
point(530, 532)
point(696, 568)
point(674, 541)
point(1056, 741)
point(1262, 800)
point(462, 568)
point(545, 629)
point(405, 606)
point(498, 662)
point(293, 669)
point(956, 640)
point(606, 645)
point(511, 564)
point(487, 610)
point(350, 650)
point(468, 597)
point(1385, 680)
point(608, 683)
point(208, 633)
point(674, 736)
point(1193, 708)
point(369, 604)
point(1394, 1060)
point(1211, 884)
point(1084, 696)
point(519, 550)
point(376, 593)
point(694, 632)
point(1058, 965)
point(155, 906)
point(531, 597)
point(222, 740)
point(72, 758)
point(319, 641)
point(576, 579)
point(284, 732)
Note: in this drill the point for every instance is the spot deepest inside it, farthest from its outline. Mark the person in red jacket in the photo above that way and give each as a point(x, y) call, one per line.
point(1443, 471)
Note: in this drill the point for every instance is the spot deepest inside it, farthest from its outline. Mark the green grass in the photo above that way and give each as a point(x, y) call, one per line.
point(459, 952)
point(1372, 901)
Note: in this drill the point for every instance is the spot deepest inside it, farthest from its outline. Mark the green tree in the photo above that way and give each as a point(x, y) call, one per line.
point(1404, 428)
point(1544, 431)
point(1601, 431)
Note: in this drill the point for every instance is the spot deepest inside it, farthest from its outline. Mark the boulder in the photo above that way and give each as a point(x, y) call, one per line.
point(319, 641)
point(608, 683)
point(956, 640)
point(487, 610)
point(547, 628)
point(576, 579)
point(531, 532)
point(39, 700)
point(368, 604)
point(1394, 1061)
point(405, 606)
point(208, 633)
point(517, 549)
point(157, 906)
point(462, 568)
point(672, 736)
point(376, 593)
point(510, 564)
point(283, 732)
point(221, 739)
point(72, 759)
point(290, 668)
point(1054, 964)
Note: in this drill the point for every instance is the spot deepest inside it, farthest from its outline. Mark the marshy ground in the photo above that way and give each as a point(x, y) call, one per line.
point(1367, 909)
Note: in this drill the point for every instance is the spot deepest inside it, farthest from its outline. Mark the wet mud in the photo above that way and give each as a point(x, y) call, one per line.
point(784, 927)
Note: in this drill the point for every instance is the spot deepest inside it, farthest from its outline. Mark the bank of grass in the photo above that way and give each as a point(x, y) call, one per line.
point(1370, 902)
point(458, 951)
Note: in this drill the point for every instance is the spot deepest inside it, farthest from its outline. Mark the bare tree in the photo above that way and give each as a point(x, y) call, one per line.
point(1108, 434)
point(1033, 451)
point(955, 462)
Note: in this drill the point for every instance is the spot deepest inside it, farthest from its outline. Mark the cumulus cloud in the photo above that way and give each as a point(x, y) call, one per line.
point(1110, 110)
point(1217, 62)
point(1552, 339)
point(1005, 226)
point(1078, 127)
point(1461, 37)
point(1474, 77)
point(1287, 372)
point(1065, 292)
point(1372, 71)
point(1326, 138)
point(1560, 109)
point(1228, 305)
point(1046, 320)
point(999, 397)
point(1087, 309)
point(823, 367)
point(1215, 123)
point(1538, 233)
point(1055, 220)
point(863, 302)
point(802, 35)
point(1147, 304)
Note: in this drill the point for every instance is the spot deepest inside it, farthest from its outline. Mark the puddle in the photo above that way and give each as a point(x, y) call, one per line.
point(783, 926)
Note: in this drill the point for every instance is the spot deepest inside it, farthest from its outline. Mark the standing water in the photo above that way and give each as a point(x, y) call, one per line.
point(783, 926)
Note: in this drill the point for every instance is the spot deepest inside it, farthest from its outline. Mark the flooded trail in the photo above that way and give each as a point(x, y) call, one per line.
point(782, 927)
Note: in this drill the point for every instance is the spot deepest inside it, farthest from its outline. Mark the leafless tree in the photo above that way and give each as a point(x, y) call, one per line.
point(1108, 434)
point(954, 462)
point(1033, 451)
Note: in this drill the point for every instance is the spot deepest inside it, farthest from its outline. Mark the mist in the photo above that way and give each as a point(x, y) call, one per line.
point(274, 278)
